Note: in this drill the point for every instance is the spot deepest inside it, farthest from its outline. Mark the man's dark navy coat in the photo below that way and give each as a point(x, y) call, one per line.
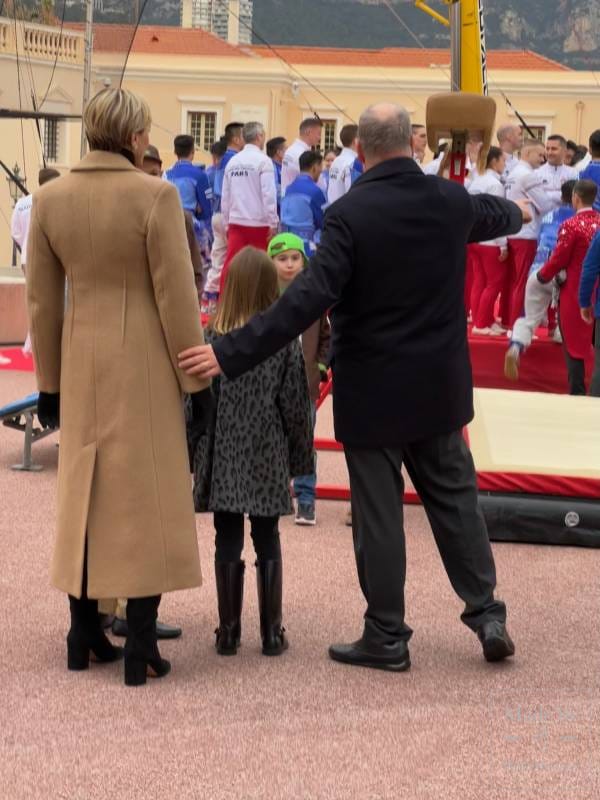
point(391, 267)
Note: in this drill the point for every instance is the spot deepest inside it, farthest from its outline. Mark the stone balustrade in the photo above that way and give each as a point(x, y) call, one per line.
point(41, 42)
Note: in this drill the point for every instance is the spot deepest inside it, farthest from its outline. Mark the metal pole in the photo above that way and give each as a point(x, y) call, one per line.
point(455, 46)
point(87, 65)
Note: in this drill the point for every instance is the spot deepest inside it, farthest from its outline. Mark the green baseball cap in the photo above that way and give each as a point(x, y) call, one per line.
point(284, 242)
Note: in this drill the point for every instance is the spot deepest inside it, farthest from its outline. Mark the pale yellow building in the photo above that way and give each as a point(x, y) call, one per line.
point(196, 83)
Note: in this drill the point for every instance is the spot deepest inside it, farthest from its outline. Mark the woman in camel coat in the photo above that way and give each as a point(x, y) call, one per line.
point(126, 525)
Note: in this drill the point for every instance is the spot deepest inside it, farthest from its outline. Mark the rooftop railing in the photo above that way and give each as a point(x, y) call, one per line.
point(40, 42)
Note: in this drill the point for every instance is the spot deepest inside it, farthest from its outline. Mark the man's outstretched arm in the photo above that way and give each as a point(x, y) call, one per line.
point(317, 289)
point(494, 217)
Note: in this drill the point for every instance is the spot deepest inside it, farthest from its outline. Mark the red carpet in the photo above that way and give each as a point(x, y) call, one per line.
point(18, 362)
point(542, 368)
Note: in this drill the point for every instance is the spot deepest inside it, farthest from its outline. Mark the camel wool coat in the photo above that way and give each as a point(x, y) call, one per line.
point(118, 237)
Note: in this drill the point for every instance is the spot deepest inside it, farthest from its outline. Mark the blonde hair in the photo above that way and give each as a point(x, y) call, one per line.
point(251, 287)
point(112, 117)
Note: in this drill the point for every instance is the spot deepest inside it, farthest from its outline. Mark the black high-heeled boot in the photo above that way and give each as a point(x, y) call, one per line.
point(230, 592)
point(269, 582)
point(86, 635)
point(142, 658)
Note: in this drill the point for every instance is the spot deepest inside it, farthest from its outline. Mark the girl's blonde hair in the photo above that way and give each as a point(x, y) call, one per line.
point(251, 287)
point(112, 117)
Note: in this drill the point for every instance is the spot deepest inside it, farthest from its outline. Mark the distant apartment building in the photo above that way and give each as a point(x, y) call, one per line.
point(230, 20)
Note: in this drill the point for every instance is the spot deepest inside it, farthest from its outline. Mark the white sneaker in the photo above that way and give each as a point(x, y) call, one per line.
point(556, 336)
point(497, 330)
point(481, 331)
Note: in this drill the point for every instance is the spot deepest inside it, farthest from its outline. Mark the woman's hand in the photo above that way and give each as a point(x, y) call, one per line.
point(200, 361)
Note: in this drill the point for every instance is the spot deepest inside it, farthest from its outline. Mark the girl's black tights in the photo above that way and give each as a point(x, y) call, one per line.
point(229, 538)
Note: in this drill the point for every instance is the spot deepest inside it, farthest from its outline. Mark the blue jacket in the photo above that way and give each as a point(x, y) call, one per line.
point(194, 188)
point(219, 178)
point(277, 167)
point(356, 170)
point(592, 173)
point(590, 276)
point(549, 235)
point(302, 208)
point(210, 174)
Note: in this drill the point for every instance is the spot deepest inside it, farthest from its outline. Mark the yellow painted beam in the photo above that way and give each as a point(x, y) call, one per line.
point(422, 5)
point(473, 67)
point(472, 46)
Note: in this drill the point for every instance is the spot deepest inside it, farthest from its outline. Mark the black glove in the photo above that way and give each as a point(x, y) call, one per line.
point(48, 410)
point(541, 279)
point(202, 406)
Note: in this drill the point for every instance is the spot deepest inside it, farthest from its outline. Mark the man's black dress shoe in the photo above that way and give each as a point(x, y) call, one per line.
point(106, 620)
point(163, 631)
point(394, 658)
point(495, 641)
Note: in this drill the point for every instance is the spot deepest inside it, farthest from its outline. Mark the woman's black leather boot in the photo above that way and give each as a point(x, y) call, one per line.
point(142, 658)
point(86, 636)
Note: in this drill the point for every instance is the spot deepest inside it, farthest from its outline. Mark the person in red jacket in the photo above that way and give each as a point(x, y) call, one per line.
point(574, 238)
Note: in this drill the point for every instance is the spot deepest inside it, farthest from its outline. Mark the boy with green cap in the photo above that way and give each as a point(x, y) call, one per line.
point(289, 257)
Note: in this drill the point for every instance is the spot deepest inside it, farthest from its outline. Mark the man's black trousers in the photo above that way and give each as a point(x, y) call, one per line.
point(442, 471)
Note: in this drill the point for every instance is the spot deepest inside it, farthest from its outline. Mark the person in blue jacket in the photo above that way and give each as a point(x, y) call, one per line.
point(592, 171)
point(538, 297)
point(235, 143)
point(276, 150)
point(303, 207)
point(356, 170)
point(194, 190)
point(217, 151)
point(191, 181)
point(590, 282)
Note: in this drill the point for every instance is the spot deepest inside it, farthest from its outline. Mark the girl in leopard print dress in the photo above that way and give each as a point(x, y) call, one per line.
point(260, 437)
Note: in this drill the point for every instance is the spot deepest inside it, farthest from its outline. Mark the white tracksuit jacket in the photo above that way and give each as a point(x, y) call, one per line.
point(490, 183)
point(340, 175)
point(525, 183)
point(290, 168)
point(553, 178)
point(249, 193)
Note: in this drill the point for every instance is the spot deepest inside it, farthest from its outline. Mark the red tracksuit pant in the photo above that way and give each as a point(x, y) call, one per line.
point(238, 237)
point(488, 279)
point(521, 253)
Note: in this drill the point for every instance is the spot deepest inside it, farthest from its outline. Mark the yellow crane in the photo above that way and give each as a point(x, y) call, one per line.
point(467, 35)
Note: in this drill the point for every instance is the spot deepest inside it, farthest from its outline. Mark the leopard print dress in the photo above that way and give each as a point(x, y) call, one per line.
point(260, 436)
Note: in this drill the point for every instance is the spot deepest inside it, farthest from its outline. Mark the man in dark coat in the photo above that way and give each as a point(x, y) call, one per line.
point(391, 266)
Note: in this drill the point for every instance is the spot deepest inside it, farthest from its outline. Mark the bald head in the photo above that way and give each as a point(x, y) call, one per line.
point(510, 138)
point(384, 132)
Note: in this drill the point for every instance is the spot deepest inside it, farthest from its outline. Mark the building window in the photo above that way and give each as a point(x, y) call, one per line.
point(328, 135)
point(51, 140)
point(539, 131)
point(202, 125)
